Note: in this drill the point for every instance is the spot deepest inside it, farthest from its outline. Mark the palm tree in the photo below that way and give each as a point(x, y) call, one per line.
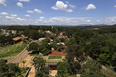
point(23, 61)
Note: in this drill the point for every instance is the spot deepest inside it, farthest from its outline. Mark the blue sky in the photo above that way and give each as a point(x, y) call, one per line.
point(57, 12)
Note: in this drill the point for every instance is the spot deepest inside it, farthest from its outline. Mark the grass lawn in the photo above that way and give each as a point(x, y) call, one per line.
point(55, 57)
point(10, 51)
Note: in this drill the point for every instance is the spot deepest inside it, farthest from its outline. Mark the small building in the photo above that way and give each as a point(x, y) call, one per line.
point(20, 38)
point(41, 39)
point(14, 32)
point(61, 43)
point(54, 34)
point(48, 32)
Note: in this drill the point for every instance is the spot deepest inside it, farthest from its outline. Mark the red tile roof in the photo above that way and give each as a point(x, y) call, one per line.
point(57, 53)
point(18, 38)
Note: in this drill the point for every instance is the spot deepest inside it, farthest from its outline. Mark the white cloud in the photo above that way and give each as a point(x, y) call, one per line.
point(21, 19)
point(2, 3)
point(98, 20)
point(61, 6)
point(90, 6)
point(25, 0)
point(43, 21)
point(8, 17)
point(4, 13)
point(13, 15)
point(87, 21)
point(114, 5)
point(41, 17)
point(67, 2)
point(37, 10)
point(20, 4)
point(27, 15)
point(29, 11)
point(72, 6)
point(69, 10)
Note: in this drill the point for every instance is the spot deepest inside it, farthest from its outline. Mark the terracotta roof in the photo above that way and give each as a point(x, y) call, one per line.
point(18, 38)
point(57, 53)
point(53, 34)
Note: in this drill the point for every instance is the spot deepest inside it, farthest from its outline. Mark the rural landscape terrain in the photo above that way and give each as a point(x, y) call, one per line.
point(55, 51)
point(57, 38)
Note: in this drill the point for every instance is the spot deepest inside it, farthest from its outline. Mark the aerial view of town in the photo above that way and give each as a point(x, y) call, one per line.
point(57, 38)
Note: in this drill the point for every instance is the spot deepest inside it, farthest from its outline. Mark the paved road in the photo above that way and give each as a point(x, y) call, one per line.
point(20, 57)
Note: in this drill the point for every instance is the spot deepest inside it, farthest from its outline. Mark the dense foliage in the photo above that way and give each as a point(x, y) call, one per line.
point(41, 69)
point(91, 69)
point(10, 70)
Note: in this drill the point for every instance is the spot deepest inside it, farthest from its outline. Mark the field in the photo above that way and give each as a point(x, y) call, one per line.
point(10, 51)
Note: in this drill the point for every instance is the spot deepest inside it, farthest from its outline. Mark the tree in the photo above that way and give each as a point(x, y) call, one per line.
point(38, 62)
point(62, 39)
point(45, 51)
point(33, 46)
point(64, 69)
point(92, 74)
point(23, 61)
point(71, 42)
point(76, 51)
point(8, 70)
point(91, 69)
point(75, 66)
point(41, 70)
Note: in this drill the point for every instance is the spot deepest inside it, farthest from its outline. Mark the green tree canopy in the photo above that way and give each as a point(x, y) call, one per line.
point(33, 46)
point(64, 69)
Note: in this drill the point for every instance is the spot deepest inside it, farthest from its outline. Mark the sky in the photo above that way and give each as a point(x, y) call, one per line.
point(57, 12)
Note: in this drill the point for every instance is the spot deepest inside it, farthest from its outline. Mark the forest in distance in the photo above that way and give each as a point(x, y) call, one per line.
point(97, 42)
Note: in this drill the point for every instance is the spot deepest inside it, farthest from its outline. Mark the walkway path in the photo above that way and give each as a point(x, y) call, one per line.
point(28, 64)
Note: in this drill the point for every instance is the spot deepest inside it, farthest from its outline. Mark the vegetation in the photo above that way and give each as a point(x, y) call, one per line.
point(63, 69)
point(1, 32)
point(10, 70)
point(33, 46)
point(55, 57)
point(23, 61)
point(91, 69)
point(41, 69)
point(11, 50)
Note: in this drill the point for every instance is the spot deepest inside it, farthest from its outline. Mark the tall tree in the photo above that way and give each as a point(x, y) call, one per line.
point(64, 69)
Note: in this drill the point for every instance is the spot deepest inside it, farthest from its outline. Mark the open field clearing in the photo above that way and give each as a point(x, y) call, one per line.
point(10, 51)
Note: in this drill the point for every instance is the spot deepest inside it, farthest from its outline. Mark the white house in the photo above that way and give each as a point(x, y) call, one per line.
point(41, 39)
